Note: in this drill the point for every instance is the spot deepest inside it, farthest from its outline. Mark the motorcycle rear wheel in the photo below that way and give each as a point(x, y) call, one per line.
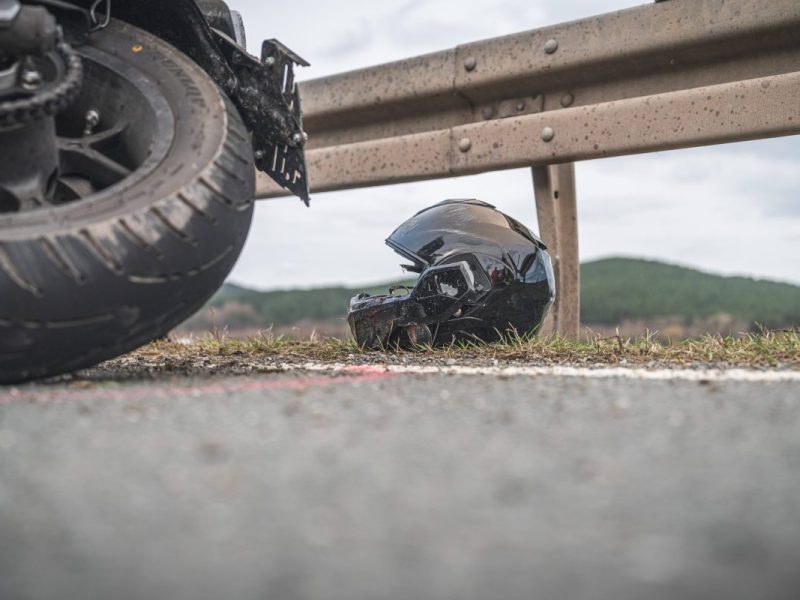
point(152, 208)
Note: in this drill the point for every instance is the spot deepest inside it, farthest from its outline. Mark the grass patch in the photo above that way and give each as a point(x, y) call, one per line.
point(779, 349)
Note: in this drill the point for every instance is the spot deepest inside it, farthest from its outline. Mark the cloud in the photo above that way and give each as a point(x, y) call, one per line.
point(350, 43)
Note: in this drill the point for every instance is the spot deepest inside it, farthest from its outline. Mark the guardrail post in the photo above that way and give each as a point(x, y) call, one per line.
point(556, 207)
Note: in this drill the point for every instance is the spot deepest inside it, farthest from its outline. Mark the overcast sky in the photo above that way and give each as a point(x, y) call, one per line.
point(728, 209)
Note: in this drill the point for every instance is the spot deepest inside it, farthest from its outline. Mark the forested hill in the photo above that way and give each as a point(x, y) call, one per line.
point(613, 290)
point(616, 289)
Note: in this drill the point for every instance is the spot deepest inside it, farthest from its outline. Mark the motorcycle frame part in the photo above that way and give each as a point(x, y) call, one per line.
point(32, 30)
point(239, 32)
point(219, 16)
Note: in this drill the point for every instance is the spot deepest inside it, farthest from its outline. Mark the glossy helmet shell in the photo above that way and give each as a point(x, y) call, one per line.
point(482, 275)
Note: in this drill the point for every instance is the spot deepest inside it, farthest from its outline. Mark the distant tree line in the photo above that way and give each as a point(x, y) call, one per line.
point(612, 291)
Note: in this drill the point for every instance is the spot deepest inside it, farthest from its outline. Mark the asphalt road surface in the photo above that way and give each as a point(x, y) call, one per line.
point(375, 484)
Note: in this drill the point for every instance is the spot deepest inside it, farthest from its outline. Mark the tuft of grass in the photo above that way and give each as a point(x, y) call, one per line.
point(768, 349)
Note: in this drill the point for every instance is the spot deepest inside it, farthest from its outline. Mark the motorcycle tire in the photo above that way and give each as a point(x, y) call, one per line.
point(94, 278)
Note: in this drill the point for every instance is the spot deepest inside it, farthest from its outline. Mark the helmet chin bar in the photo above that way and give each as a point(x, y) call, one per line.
point(438, 296)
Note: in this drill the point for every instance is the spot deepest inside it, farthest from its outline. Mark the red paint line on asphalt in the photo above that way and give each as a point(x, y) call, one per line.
point(232, 386)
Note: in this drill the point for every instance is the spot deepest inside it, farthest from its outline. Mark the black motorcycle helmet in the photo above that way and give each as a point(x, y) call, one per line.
point(482, 275)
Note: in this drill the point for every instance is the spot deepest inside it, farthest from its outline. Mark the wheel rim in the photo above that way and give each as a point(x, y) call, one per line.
point(130, 131)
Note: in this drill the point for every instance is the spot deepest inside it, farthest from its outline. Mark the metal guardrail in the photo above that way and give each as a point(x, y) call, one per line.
point(667, 75)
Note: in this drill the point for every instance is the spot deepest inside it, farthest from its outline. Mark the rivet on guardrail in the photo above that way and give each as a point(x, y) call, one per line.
point(470, 63)
point(567, 100)
point(464, 144)
point(551, 46)
point(548, 134)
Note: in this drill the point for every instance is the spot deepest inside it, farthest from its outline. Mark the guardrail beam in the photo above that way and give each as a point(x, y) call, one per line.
point(657, 77)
